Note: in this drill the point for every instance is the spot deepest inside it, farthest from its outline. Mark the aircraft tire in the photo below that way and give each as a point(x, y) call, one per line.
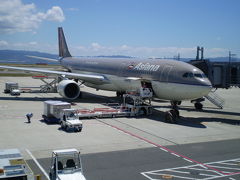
point(177, 114)
point(179, 102)
point(143, 112)
point(198, 106)
point(62, 126)
point(170, 116)
point(118, 94)
point(78, 129)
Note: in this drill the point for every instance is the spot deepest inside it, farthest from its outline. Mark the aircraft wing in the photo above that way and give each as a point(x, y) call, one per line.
point(43, 58)
point(97, 79)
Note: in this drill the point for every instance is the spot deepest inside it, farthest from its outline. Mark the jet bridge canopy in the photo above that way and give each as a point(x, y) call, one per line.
point(221, 74)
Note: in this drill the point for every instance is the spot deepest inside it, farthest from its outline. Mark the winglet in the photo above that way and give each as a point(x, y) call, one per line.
point(63, 49)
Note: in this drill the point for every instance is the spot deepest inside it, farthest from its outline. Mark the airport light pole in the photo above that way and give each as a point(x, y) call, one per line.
point(229, 66)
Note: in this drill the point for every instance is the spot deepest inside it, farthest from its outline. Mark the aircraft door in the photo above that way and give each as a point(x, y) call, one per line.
point(165, 73)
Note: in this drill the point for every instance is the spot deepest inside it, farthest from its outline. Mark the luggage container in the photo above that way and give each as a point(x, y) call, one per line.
point(9, 86)
point(52, 110)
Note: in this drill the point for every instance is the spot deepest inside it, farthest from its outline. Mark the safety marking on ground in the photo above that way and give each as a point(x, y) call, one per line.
point(175, 154)
point(37, 163)
point(229, 167)
point(163, 148)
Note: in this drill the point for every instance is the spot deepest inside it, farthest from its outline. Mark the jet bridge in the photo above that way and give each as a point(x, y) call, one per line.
point(221, 74)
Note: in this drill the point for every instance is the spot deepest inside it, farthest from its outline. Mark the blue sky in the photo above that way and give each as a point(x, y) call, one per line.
point(142, 28)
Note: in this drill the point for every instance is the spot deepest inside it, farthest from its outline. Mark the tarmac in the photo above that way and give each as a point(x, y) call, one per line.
point(200, 146)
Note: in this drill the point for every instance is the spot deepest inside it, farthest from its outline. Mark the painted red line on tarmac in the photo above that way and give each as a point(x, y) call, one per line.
point(169, 150)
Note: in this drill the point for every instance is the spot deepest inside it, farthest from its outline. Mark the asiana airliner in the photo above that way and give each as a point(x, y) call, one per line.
point(169, 79)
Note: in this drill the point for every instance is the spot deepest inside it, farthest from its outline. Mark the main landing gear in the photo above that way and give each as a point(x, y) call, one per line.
point(120, 93)
point(173, 115)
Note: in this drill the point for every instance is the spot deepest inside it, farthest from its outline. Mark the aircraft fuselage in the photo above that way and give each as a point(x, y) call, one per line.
point(168, 78)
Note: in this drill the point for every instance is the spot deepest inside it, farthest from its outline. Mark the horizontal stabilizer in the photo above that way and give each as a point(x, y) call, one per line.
point(43, 58)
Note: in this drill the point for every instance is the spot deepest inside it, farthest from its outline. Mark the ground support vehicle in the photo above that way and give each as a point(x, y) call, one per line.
point(50, 83)
point(70, 120)
point(9, 86)
point(52, 110)
point(15, 92)
point(137, 105)
point(106, 112)
point(134, 104)
point(66, 165)
point(13, 166)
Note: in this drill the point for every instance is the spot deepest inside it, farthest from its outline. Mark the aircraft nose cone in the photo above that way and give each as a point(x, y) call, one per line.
point(206, 87)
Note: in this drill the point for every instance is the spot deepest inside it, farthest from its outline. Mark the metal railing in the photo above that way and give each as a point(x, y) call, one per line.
point(215, 99)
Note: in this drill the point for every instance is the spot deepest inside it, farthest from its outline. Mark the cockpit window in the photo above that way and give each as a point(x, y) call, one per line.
point(187, 74)
point(198, 75)
point(191, 75)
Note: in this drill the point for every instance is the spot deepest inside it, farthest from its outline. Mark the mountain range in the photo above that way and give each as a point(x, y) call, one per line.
point(21, 57)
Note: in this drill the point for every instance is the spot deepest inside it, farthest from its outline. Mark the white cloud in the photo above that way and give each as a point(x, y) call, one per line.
point(33, 43)
point(3, 43)
point(55, 14)
point(29, 46)
point(96, 49)
point(18, 17)
point(72, 9)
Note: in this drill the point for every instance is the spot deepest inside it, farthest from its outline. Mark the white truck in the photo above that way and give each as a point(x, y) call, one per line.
point(70, 120)
point(15, 92)
point(9, 86)
point(66, 165)
point(12, 88)
point(61, 112)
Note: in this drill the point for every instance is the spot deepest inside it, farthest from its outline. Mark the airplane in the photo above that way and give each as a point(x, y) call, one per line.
point(168, 79)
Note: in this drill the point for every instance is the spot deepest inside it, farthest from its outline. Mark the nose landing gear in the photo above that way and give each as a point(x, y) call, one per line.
point(197, 103)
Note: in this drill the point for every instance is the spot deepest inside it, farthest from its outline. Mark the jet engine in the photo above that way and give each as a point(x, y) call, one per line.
point(69, 89)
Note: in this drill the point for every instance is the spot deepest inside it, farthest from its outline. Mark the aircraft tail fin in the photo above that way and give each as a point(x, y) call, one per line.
point(63, 48)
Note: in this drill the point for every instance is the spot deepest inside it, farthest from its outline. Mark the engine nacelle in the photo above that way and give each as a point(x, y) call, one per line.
point(69, 89)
